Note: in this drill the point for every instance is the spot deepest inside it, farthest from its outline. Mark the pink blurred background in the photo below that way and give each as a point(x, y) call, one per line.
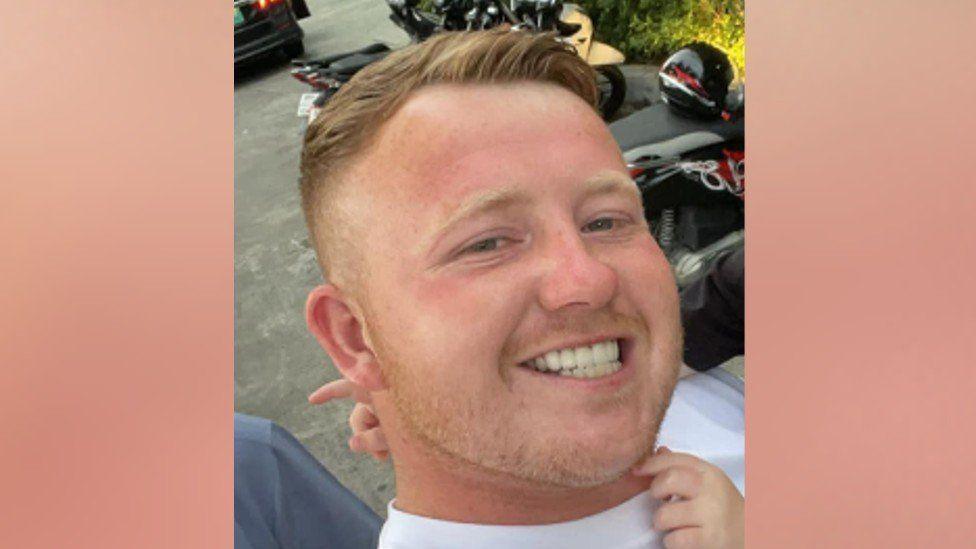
point(116, 218)
point(860, 319)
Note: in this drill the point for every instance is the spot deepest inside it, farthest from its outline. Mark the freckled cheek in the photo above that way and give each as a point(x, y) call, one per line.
point(469, 293)
point(477, 314)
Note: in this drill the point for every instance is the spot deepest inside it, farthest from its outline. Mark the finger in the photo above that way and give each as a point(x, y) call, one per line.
point(356, 445)
point(680, 514)
point(639, 466)
point(684, 538)
point(665, 459)
point(362, 419)
point(373, 441)
point(342, 388)
point(679, 481)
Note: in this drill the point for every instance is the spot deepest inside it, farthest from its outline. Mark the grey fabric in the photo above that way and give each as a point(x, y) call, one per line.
point(285, 499)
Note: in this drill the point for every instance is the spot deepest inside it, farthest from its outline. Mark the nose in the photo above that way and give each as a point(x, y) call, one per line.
point(574, 276)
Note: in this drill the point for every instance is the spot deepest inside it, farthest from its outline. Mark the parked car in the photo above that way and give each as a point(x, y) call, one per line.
point(261, 26)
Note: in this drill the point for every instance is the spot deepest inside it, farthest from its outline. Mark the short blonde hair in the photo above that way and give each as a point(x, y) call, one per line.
point(354, 115)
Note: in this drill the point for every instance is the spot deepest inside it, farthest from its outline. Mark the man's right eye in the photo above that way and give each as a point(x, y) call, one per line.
point(482, 246)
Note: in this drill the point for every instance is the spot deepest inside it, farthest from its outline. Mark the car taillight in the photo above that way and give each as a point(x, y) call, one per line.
point(265, 4)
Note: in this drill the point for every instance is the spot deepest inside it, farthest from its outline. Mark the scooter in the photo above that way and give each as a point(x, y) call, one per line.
point(327, 75)
point(569, 21)
point(604, 58)
point(690, 168)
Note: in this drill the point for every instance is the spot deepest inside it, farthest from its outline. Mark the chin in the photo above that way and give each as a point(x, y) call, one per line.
point(584, 473)
point(587, 461)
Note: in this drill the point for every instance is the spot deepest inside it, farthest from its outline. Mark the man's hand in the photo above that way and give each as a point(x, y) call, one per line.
point(701, 507)
point(366, 433)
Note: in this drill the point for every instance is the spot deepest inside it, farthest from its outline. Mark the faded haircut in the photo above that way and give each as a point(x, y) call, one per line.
point(353, 116)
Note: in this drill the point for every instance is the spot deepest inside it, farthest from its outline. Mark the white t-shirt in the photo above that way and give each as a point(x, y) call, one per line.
point(706, 418)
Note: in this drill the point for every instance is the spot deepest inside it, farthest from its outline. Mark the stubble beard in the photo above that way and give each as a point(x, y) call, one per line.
point(455, 429)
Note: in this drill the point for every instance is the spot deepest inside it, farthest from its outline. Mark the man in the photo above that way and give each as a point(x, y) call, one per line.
point(493, 286)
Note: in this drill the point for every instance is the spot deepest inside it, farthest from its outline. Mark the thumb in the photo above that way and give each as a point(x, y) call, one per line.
point(661, 459)
point(649, 460)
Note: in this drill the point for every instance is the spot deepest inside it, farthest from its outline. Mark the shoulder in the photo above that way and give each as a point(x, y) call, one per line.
point(260, 442)
point(706, 418)
point(713, 391)
point(706, 402)
point(260, 432)
point(283, 496)
point(251, 429)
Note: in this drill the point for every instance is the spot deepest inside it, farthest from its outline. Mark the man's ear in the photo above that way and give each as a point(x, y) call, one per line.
point(331, 320)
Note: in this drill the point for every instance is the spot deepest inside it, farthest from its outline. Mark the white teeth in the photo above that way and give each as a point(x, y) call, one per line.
point(567, 359)
point(552, 360)
point(593, 371)
point(601, 352)
point(595, 360)
point(584, 357)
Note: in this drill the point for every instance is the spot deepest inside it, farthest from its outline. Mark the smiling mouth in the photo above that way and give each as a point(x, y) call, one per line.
point(586, 362)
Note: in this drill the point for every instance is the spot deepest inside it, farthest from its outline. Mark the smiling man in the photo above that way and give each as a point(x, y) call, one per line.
point(495, 288)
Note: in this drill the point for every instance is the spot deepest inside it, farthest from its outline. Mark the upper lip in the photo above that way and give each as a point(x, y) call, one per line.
point(581, 341)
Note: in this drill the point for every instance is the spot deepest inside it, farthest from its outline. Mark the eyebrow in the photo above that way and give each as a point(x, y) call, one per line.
point(609, 182)
point(497, 199)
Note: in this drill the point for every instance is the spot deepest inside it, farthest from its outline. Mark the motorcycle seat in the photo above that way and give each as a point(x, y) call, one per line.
point(659, 131)
point(377, 47)
point(348, 66)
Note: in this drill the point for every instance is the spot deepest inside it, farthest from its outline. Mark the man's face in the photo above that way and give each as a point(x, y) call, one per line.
point(502, 236)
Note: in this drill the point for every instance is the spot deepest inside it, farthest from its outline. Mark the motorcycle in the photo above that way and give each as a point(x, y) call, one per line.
point(571, 23)
point(326, 75)
point(687, 156)
point(604, 59)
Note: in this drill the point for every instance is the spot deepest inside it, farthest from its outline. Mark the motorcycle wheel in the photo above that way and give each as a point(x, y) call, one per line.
point(612, 86)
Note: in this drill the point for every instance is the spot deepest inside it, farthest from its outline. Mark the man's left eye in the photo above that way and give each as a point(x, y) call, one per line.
point(601, 224)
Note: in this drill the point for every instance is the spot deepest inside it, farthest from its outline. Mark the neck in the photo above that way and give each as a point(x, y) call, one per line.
point(437, 486)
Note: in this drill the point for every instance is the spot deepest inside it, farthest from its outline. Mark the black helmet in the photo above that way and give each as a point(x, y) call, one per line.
point(695, 80)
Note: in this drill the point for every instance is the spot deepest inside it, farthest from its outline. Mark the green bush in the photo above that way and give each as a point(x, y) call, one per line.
point(650, 30)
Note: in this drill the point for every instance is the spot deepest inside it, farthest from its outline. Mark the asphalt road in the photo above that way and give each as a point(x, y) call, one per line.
point(277, 364)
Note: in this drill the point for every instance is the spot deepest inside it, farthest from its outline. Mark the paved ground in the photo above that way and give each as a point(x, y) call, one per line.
point(276, 362)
